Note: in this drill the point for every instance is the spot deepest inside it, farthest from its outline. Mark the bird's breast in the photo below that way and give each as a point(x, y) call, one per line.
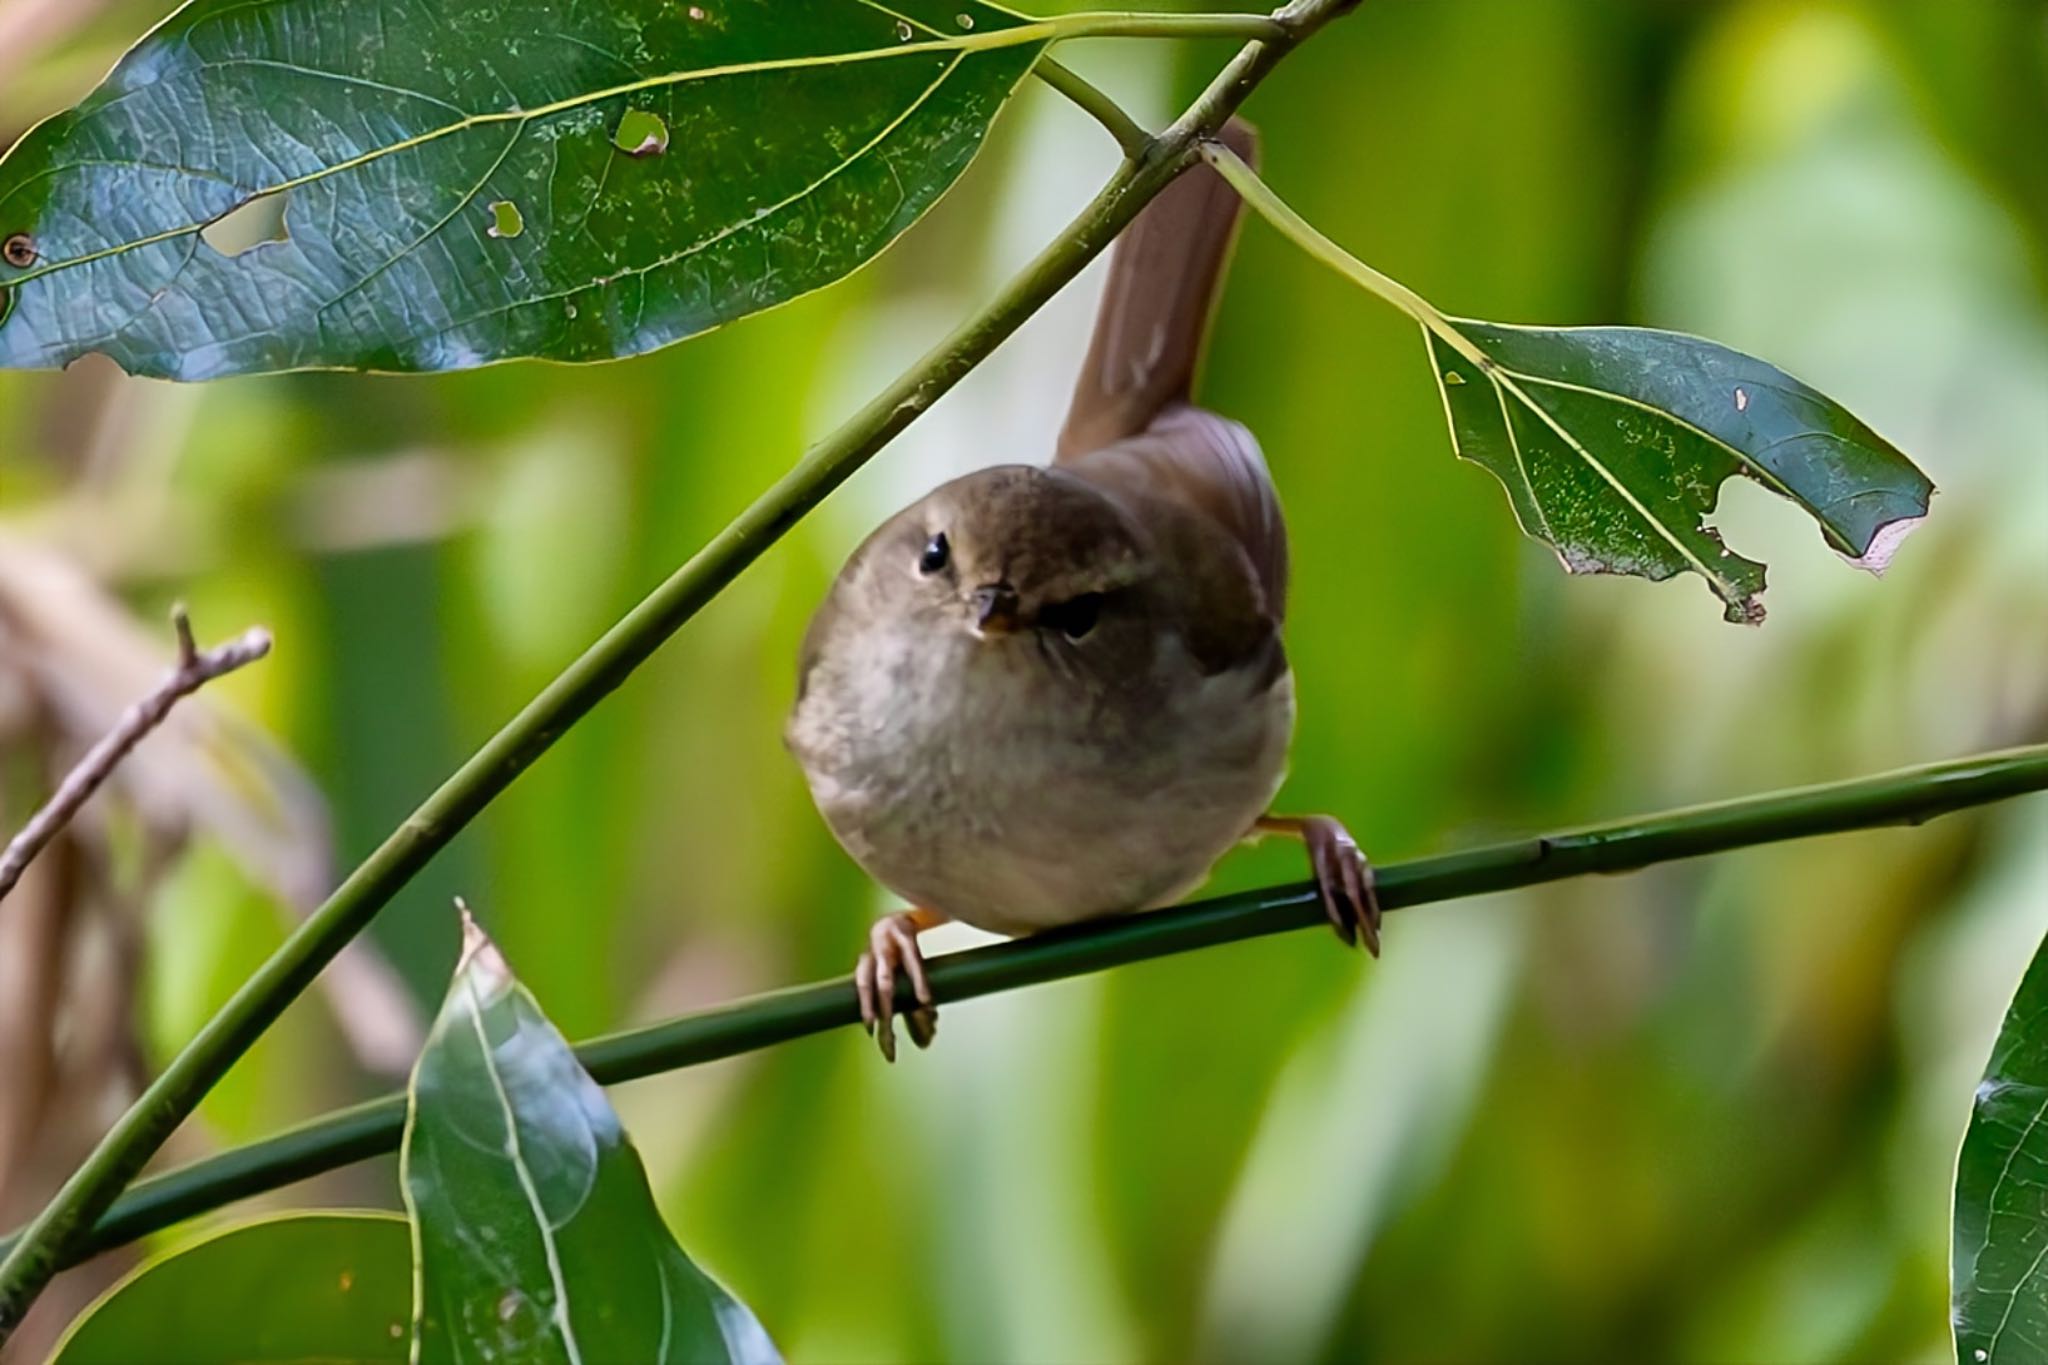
point(1007, 786)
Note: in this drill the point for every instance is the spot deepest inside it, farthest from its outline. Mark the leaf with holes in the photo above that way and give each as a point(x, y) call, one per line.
point(1999, 1261)
point(536, 1234)
point(436, 184)
point(1614, 442)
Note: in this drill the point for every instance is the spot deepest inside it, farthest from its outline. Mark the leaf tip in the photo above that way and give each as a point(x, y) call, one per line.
point(479, 954)
point(1745, 611)
point(1885, 543)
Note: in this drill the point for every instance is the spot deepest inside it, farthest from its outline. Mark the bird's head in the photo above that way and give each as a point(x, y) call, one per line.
point(1006, 552)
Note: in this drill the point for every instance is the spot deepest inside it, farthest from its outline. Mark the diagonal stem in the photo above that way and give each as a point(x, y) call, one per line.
point(1908, 796)
point(57, 1232)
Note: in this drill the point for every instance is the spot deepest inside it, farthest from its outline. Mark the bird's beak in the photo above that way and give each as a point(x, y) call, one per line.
point(995, 609)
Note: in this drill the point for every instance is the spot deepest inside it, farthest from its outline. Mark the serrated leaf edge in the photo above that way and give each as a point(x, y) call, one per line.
point(1503, 381)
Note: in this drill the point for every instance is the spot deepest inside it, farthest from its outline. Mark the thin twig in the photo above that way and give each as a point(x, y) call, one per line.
point(195, 669)
point(1907, 796)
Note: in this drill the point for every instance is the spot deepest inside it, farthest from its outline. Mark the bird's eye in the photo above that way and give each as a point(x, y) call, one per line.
point(936, 555)
point(1074, 617)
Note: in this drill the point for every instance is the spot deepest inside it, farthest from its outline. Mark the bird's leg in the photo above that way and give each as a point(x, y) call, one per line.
point(892, 947)
point(1343, 876)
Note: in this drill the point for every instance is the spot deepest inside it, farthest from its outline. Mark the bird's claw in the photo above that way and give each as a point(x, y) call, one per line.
point(892, 947)
point(1344, 880)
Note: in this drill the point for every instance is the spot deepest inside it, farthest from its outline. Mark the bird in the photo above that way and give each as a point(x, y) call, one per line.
point(1045, 694)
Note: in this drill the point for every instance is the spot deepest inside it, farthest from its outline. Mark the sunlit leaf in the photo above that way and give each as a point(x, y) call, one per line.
point(2000, 1256)
point(308, 1287)
point(1614, 442)
point(444, 183)
point(537, 1235)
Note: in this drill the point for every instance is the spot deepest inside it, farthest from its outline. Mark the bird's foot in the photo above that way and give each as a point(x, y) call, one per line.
point(1343, 876)
point(892, 948)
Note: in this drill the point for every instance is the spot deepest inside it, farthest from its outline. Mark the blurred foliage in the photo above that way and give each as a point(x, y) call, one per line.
point(1707, 1112)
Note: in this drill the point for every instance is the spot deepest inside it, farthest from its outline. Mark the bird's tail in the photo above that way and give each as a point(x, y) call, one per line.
point(1164, 280)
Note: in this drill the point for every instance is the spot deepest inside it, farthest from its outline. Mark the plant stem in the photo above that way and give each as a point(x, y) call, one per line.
point(1137, 24)
point(55, 1233)
point(1908, 796)
point(1097, 105)
point(1305, 235)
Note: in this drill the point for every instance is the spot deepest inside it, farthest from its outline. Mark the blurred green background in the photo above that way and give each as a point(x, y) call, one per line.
point(1707, 1112)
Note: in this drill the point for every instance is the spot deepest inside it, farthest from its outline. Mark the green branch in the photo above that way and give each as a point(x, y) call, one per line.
point(1905, 797)
point(1093, 102)
point(57, 1232)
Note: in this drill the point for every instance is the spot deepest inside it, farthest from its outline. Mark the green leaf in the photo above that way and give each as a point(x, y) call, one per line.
point(465, 181)
point(2000, 1255)
point(537, 1235)
point(1614, 442)
point(300, 1288)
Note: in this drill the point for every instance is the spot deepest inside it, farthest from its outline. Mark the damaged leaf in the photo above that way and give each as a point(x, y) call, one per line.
point(536, 1234)
point(795, 143)
point(1613, 443)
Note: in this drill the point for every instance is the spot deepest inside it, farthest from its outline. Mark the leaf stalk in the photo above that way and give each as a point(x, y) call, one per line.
point(1304, 234)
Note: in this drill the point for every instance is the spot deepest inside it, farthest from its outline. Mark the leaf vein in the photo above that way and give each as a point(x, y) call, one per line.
point(338, 77)
point(469, 197)
point(525, 1177)
point(1728, 590)
point(1762, 474)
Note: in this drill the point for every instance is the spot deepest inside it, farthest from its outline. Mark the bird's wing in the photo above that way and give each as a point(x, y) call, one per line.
point(1131, 427)
point(1208, 466)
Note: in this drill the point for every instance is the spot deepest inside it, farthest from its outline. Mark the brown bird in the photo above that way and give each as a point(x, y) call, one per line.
point(1044, 695)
